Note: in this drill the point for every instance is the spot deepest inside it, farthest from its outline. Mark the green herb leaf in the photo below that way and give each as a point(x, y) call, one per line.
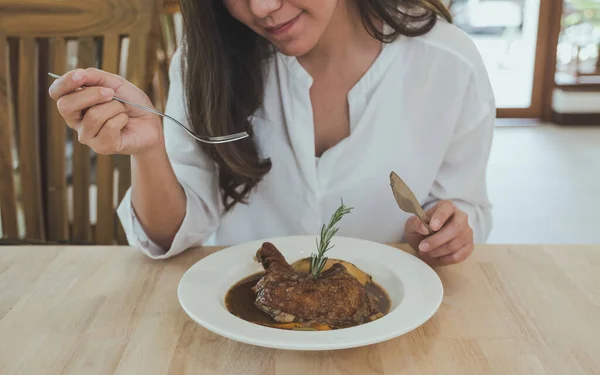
point(319, 260)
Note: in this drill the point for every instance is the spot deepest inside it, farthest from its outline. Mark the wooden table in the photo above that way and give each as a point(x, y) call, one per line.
point(108, 310)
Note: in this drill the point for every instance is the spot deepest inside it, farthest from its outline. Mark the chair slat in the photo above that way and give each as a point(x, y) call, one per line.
point(171, 6)
point(8, 207)
point(137, 59)
point(29, 150)
point(123, 163)
point(55, 163)
point(105, 226)
point(86, 55)
point(137, 75)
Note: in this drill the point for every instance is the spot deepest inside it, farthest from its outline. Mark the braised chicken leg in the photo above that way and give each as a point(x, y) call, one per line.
point(335, 298)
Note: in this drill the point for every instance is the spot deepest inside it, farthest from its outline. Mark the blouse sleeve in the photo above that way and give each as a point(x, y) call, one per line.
point(462, 175)
point(196, 173)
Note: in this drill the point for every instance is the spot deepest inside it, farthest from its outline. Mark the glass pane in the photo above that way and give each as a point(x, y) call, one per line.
point(505, 31)
point(579, 43)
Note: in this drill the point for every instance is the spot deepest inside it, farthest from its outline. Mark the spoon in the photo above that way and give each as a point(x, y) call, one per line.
point(204, 139)
point(407, 201)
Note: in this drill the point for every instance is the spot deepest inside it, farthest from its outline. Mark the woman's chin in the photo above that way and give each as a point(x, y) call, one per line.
point(294, 48)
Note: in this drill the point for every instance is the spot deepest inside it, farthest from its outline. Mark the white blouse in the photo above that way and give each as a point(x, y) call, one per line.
point(425, 109)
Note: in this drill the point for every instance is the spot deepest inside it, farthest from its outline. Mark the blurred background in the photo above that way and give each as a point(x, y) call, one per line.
point(542, 57)
point(524, 40)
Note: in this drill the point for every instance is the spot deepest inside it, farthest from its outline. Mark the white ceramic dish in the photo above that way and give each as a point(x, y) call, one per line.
point(414, 288)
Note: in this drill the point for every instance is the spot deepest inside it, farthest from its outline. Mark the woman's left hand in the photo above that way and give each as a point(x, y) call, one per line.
point(452, 241)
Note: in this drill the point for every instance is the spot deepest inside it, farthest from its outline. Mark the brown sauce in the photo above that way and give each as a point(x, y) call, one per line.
point(240, 300)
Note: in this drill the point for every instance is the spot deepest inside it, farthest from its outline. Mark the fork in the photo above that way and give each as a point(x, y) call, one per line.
point(205, 139)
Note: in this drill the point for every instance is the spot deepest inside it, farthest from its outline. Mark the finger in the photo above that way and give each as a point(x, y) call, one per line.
point(108, 141)
point(97, 77)
point(453, 229)
point(66, 84)
point(95, 118)
point(70, 106)
point(443, 211)
point(429, 213)
point(456, 257)
point(75, 79)
point(451, 246)
point(415, 225)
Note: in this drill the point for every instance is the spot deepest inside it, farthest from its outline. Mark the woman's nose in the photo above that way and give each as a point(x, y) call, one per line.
point(262, 8)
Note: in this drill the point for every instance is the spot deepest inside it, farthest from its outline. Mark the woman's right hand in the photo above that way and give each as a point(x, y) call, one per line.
point(105, 125)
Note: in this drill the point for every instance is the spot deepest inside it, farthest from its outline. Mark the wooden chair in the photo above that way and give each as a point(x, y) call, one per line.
point(167, 44)
point(35, 37)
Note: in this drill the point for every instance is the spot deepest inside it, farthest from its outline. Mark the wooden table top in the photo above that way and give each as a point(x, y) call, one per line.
point(109, 310)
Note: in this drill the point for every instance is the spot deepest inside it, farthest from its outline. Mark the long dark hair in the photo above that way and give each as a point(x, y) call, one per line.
point(223, 75)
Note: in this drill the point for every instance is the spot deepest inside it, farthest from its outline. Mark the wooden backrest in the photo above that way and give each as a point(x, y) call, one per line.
point(171, 6)
point(39, 36)
point(167, 44)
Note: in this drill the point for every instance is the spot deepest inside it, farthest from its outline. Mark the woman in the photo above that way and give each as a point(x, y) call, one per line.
point(336, 94)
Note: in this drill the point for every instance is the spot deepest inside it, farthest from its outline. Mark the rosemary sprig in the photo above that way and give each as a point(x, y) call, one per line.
point(318, 261)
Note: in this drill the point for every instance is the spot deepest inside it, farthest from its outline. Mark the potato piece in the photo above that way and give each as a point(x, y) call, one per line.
point(303, 266)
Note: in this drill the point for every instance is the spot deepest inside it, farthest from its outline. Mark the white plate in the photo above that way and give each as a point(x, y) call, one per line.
point(414, 288)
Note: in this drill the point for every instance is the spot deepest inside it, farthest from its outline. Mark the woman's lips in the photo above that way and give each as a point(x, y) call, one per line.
point(283, 27)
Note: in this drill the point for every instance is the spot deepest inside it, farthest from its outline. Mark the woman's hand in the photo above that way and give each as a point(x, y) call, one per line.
point(105, 125)
point(452, 241)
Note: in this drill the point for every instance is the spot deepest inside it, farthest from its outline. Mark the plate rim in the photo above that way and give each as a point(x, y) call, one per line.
point(358, 341)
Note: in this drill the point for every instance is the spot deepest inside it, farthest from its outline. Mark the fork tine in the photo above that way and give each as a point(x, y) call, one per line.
point(230, 136)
